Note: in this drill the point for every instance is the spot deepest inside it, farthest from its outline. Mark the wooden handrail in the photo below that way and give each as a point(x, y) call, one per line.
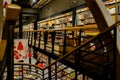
point(28, 65)
point(69, 53)
point(76, 28)
point(25, 66)
point(12, 13)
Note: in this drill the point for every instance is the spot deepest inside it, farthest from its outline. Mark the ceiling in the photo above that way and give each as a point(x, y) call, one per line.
point(33, 4)
point(37, 4)
point(22, 3)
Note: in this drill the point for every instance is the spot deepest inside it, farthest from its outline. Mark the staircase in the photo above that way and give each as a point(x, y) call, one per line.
point(95, 58)
point(6, 44)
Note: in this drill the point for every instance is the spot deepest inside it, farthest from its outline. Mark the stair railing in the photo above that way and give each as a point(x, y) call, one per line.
point(57, 41)
point(23, 71)
point(94, 58)
point(12, 13)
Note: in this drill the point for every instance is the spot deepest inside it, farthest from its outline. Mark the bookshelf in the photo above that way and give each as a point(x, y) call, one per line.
point(84, 18)
point(61, 21)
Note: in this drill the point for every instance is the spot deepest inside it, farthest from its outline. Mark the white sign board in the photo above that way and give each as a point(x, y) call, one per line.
point(21, 50)
point(5, 3)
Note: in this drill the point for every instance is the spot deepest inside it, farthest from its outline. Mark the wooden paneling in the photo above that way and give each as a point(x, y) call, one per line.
point(12, 12)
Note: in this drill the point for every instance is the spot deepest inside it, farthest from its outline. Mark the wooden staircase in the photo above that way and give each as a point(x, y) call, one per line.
point(6, 45)
point(96, 61)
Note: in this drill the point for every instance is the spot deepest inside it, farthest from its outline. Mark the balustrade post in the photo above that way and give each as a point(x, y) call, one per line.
point(64, 45)
point(35, 33)
point(35, 37)
point(45, 39)
point(20, 26)
point(28, 38)
point(39, 40)
point(49, 68)
point(53, 40)
point(43, 74)
point(115, 55)
point(10, 51)
point(30, 53)
point(80, 36)
point(32, 37)
point(76, 63)
point(22, 73)
point(34, 52)
point(55, 71)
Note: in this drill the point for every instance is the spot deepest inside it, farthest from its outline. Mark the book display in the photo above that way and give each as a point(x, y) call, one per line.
point(66, 74)
point(61, 21)
point(84, 18)
point(67, 38)
point(111, 7)
point(43, 57)
point(18, 73)
point(28, 27)
point(63, 72)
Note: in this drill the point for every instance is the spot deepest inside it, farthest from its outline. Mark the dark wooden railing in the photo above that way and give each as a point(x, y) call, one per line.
point(12, 13)
point(23, 71)
point(57, 41)
point(95, 58)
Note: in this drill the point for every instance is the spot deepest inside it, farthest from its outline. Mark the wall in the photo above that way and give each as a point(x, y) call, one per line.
point(29, 10)
point(58, 6)
point(1, 18)
point(118, 39)
point(118, 55)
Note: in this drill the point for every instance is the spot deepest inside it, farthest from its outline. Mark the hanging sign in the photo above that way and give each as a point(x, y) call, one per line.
point(5, 3)
point(21, 51)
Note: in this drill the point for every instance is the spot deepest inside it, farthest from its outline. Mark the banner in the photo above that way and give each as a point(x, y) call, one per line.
point(21, 51)
point(5, 3)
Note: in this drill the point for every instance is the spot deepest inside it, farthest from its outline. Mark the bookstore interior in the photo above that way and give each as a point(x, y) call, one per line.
point(69, 44)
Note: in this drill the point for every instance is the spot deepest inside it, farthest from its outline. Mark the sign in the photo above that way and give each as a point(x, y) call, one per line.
point(8, 1)
point(21, 50)
point(5, 3)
